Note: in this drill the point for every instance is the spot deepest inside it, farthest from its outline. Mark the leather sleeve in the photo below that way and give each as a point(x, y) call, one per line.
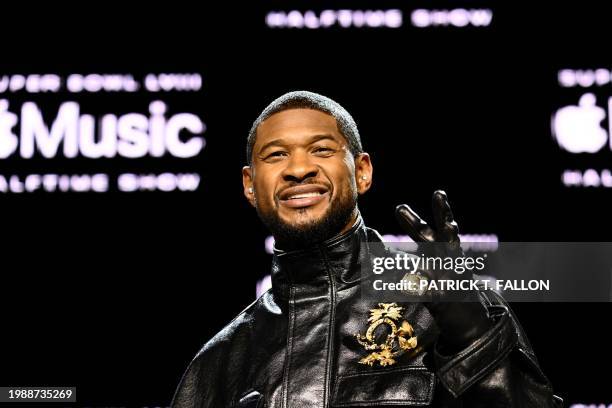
point(499, 369)
point(199, 386)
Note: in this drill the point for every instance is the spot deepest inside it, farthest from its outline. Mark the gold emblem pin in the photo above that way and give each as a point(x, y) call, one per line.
point(398, 341)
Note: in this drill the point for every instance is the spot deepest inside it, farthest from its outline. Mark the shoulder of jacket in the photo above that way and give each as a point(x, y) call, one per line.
point(242, 321)
point(372, 235)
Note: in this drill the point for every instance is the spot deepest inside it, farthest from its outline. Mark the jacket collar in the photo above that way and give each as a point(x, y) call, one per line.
point(335, 261)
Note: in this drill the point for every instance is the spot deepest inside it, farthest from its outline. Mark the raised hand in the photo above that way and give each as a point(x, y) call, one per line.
point(460, 322)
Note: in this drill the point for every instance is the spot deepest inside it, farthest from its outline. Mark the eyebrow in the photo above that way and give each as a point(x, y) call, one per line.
point(313, 139)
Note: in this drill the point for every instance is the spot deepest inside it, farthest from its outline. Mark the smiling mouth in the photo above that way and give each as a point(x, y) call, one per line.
point(304, 200)
point(303, 196)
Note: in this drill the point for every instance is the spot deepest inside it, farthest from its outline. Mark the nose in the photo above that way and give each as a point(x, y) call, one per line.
point(299, 168)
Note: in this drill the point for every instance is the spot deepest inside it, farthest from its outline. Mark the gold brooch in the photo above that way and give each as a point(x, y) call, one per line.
point(398, 341)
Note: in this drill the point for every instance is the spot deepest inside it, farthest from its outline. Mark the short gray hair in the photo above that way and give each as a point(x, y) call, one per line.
point(309, 100)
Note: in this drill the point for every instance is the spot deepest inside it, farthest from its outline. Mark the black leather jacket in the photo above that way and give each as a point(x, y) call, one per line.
point(295, 347)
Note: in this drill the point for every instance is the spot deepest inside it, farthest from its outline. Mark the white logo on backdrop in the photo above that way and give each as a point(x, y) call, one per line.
point(577, 128)
point(582, 128)
point(8, 140)
point(32, 129)
point(130, 135)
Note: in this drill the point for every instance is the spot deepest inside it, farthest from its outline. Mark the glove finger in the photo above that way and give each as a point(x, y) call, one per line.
point(447, 229)
point(416, 228)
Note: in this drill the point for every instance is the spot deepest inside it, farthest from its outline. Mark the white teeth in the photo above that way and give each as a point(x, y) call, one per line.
point(305, 195)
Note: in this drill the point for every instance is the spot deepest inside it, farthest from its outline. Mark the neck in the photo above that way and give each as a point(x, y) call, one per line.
point(351, 222)
point(284, 246)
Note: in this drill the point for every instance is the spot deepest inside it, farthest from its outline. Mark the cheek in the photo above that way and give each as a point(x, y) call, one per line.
point(265, 185)
point(343, 178)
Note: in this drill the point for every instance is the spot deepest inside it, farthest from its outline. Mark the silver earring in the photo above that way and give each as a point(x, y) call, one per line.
point(364, 177)
point(251, 190)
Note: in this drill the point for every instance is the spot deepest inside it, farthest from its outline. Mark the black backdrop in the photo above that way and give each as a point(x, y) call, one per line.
point(115, 292)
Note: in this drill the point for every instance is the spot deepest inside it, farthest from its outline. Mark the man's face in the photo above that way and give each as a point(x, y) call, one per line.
point(303, 177)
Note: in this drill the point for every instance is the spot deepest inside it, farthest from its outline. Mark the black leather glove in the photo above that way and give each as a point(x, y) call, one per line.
point(461, 321)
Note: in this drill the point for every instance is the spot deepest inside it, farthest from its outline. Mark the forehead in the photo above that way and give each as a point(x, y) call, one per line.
point(295, 125)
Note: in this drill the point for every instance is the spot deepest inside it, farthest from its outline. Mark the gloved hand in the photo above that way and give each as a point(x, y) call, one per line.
point(461, 321)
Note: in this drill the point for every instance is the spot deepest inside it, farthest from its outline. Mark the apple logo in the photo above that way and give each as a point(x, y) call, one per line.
point(8, 140)
point(577, 128)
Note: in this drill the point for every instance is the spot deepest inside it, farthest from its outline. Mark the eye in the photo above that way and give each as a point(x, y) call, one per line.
point(276, 154)
point(323, 150)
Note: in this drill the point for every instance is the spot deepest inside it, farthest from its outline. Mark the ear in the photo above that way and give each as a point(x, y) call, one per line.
point(363, 172)
point(247, 184)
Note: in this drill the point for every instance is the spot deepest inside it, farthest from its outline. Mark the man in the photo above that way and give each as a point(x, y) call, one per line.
point(298, 344)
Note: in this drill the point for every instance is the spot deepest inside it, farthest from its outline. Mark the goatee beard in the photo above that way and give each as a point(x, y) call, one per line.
point(288, 237)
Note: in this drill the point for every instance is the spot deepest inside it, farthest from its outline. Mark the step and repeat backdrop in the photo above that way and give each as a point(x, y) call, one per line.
point(127, 242)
